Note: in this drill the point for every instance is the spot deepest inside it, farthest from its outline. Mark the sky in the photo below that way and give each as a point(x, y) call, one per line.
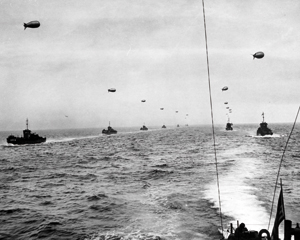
point(58, 75)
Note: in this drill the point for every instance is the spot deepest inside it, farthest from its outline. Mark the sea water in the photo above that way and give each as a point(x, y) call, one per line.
point(156, 184)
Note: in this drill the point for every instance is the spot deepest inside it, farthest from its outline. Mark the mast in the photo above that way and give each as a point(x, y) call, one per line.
point(27, 123)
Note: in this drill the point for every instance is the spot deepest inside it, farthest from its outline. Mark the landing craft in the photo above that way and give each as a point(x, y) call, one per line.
point(32, 24)
point(227, 107)
point(258, 55)
point(111, 90)
point(225, 102)
point(161, 108)
point(143, 100)
point(224, 88)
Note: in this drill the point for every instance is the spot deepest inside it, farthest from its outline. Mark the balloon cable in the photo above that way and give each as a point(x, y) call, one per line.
point(212, 117)
point(287, 141)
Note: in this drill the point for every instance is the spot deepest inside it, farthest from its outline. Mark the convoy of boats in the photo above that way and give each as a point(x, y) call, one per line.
point(261, 131)
point(33, 138)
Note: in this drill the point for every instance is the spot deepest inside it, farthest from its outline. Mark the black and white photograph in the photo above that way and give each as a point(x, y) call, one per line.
point(149, 120)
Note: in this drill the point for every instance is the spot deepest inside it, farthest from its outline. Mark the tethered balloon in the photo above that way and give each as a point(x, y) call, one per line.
point(224, 88)
point(32, 24)
point(258, 55)
point(111, 90)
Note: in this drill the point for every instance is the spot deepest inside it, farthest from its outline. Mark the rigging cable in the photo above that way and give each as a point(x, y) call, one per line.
point(212, 116)
point(281, 163)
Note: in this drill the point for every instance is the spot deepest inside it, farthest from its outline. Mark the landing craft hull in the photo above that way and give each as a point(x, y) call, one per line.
point(22, 141)
point(108, 132)
point(229, 127)
point(264, 130)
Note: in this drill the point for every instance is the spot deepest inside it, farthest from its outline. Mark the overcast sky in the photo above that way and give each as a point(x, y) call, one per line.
point(147, 49)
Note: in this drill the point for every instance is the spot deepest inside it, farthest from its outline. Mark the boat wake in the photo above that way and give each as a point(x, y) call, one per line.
point(267, 136)
point(68, 139)
point(239, 201)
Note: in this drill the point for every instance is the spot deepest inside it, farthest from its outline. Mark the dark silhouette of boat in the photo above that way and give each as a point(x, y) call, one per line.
point(229, 126)
point(144, 128)
point(109, 130)
point(177, 125)
point(28, 137)
point(163, 126)
point(263, 129)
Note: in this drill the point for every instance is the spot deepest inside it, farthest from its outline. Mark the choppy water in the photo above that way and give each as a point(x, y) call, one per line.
point(142, 185)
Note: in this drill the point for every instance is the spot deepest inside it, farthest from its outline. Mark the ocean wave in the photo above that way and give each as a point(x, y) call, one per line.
point(96, 197)
point(12, 210)
point(166, 188)
point(124, 236)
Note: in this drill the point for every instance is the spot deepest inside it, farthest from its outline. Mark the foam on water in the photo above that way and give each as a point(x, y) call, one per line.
point(238, 199)
point(268, 136)
point(68, 139)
